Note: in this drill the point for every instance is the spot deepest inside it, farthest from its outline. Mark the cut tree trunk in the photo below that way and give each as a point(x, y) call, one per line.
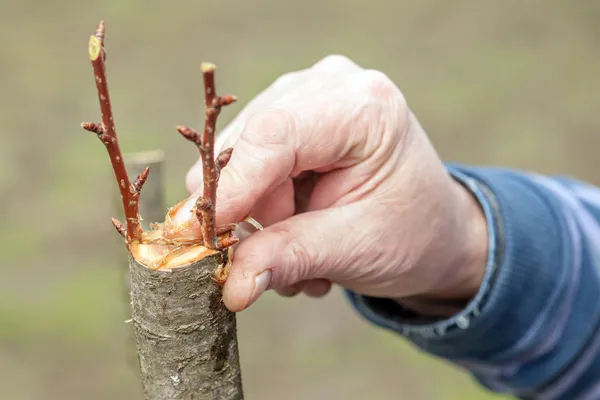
point(186, 338)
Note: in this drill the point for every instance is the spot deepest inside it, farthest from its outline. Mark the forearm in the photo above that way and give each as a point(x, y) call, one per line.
point(529, 328)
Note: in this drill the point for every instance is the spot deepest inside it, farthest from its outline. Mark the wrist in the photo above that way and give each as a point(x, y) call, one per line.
point(465, 257)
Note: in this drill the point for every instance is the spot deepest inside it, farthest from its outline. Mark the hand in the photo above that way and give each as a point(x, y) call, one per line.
point(336, 167)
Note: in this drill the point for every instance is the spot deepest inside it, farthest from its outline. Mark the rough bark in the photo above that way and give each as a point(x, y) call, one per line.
point(186, 338)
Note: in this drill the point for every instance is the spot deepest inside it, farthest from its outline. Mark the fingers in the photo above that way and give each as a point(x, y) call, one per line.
point(312, 288)
point(336, 129)
point(231, 133)
point(273, 207)
point(276, 205)
point(292, 290)
point(283, 88)
point(317, 287)
point(297, 250)
point(263, 159)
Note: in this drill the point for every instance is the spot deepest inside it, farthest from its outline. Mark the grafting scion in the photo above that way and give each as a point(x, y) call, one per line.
point(107, 133)
point(205, 205)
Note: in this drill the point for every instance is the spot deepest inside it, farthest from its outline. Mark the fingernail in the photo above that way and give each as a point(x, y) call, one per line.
point(262, 281)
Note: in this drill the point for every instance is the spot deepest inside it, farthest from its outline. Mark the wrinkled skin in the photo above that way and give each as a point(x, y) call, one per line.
point(334, 164)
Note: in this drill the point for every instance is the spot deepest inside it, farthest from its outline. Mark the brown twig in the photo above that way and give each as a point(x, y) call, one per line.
point(107, 133)
point(205, 206)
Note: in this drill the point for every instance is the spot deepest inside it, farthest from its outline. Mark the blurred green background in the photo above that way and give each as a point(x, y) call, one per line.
point(510, 83)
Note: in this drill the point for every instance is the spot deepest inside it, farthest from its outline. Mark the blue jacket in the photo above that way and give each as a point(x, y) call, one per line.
point(532, 330)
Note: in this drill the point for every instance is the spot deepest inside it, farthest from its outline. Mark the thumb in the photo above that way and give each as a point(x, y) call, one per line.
point(307, 246)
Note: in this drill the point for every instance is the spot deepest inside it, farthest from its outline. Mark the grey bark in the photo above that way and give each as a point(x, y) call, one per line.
point(186, 338)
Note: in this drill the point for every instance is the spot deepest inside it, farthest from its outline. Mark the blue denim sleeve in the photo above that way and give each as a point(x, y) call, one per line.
point(532, 330)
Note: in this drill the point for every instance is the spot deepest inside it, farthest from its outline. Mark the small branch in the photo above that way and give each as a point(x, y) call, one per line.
point(108, 135)
point(205, 206)
point(207, 154)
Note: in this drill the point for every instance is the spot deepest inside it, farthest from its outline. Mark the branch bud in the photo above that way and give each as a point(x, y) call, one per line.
point(141, 179)
point(223, 158)
point(188, 133)
point(98, 129)
point(119, 227)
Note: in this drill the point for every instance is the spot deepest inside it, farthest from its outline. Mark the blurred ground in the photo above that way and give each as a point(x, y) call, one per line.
point(510, 83)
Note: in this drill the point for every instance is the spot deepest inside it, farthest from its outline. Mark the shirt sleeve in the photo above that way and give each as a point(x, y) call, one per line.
point(532, 330)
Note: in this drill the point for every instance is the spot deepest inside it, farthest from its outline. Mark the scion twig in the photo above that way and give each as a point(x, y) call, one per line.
point(106, 131)
point(205, 206)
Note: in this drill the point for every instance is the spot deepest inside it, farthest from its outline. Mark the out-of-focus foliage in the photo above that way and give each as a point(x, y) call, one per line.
point(507, 83)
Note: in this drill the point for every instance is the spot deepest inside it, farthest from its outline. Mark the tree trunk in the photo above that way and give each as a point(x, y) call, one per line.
point(186, 338)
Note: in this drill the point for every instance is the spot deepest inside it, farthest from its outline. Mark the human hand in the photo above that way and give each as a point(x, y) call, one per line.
point(334, 164)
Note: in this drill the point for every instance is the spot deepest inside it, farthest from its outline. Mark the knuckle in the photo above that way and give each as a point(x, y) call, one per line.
point(270, 128)
point(285, 80)
point(335, 63)
point(380, 85)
